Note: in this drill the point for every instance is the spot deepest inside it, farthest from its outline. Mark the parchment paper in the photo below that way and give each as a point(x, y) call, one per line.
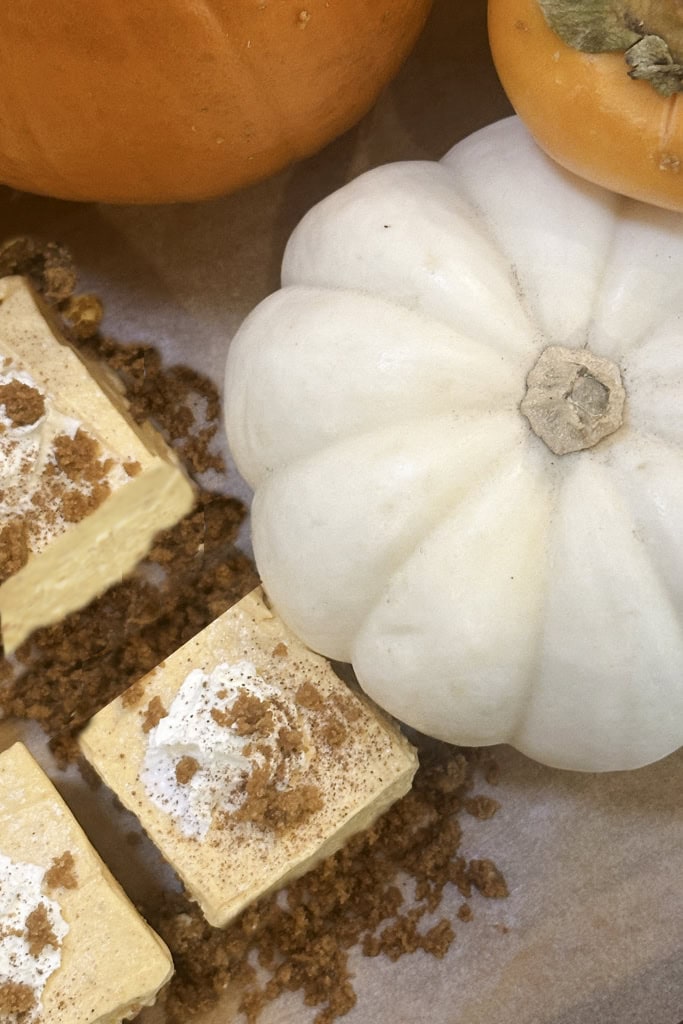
point(593, 929)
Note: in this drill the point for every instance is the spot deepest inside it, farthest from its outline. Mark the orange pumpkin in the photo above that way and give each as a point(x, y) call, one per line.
point(166, 100)
point(583, 108)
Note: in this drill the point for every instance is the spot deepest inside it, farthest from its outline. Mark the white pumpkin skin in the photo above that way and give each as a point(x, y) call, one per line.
point(406, 518)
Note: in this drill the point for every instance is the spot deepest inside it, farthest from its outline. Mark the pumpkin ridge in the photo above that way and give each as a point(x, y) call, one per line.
point(529, 737)
point(333, 445)
point(464, 157)
point(617, 474)
point(402, 550)
point(508, 333)
point(413, 392)
point(450, 729)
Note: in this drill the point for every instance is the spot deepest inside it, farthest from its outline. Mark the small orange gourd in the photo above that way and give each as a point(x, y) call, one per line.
point(586, 109)
point(150, 101)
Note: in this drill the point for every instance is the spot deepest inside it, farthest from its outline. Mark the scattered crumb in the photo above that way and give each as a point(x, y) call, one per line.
point(186, 768)
point(23, 404)
point(481, 806)
point(308, 697)
point(62, 872)
point(48, 265)
point(39, 931)
point(83, 314)
point(248, 716)
point(134, 694)
point(153, 715)
point(487, 878)
point(15, 998)
point(14, 548)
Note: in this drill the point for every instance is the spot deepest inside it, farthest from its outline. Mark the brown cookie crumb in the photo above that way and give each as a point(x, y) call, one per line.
point(185, 770)
point(290, 741)
point(133, 695)
point(481, 806)
point(248, 716)
point(83, 314)
point(487, 878)
point(23, 404)
point(308, 697)
point(15, 998)
point(62, 872)
point(48, 265)
point(153, 715)
point(39, 931)
point(75, 505)
point(77, 456)
point(14, 548)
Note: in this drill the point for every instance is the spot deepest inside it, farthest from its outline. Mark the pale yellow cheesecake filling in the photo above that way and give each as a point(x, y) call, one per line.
point(247, 760)
point(73, 949)
point(83, 489)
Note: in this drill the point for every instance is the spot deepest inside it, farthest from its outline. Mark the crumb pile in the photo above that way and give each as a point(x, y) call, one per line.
point(382, 892)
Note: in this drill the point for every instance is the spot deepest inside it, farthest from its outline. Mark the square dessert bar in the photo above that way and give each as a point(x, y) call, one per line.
point(73, 949)
point(83, 489)
point(246, 759)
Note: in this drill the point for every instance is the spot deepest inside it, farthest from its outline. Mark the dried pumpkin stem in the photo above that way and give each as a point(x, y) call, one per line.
point(648, 32)
point(573, 399)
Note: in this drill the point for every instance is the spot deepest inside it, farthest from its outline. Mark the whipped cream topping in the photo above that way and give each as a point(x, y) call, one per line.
point(32, 483)
point(26, 961)
point(199, 729)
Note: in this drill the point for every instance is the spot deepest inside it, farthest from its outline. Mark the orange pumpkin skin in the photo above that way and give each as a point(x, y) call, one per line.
point(585, 111)
point(167, 100)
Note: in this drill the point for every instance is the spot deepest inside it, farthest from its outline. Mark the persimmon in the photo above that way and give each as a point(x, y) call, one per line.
point(600, 91)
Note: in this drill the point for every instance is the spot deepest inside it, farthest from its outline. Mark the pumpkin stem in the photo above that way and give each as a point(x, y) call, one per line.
point(648, 32)
point(573, 399)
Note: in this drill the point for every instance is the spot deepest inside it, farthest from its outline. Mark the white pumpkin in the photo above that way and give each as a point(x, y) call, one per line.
point(406, 516)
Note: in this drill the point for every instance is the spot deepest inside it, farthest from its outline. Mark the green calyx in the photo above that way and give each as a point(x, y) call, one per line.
point(648, 32)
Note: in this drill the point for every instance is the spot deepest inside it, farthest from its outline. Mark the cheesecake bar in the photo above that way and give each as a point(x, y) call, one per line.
point(83, 489)
point(73, 949)
point(246, 759)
